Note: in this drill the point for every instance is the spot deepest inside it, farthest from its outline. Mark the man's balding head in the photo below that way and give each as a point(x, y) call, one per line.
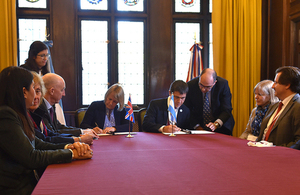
point(207, 80)
point(55, 87)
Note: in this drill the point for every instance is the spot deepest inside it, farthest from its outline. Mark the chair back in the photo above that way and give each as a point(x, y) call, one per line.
point(141, 115)
point(79, 114)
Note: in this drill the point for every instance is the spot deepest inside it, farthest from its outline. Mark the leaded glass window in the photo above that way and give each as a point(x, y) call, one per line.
point(186, 34)
point(192, 6)
point(93, 4)
point(192, 26)
point(94, 47)
point(32, 4)
point(30, 30)
point(131, 59)
point(211, 60)
point(131, 5)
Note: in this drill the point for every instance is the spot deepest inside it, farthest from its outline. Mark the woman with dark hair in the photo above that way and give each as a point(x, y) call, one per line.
point(21, 154)
point(37, 58)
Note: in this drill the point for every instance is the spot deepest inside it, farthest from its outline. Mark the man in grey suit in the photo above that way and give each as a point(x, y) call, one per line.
point(281, 124)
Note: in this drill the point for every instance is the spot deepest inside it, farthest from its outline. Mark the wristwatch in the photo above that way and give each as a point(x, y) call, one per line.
point(217, 125)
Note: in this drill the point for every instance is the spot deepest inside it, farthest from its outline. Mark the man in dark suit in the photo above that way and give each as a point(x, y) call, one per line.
point(55, 89)
point(157, 117)
point(209, 100)
point(281, 124)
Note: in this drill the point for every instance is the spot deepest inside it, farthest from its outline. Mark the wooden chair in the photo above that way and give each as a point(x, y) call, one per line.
point(141, 115)
point(79, 114)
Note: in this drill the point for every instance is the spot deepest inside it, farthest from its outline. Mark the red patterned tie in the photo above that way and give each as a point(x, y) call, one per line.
point(273, 122)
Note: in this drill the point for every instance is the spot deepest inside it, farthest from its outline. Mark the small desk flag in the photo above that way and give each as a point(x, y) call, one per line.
point(129, 111)
point(171, 109)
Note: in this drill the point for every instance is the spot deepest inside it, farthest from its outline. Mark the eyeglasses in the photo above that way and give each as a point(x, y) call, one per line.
point(206, 87)
point(44, 55)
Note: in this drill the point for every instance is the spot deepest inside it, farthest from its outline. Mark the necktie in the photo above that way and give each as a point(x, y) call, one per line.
point(51, 113)
point(206, 109)
point(274, 121)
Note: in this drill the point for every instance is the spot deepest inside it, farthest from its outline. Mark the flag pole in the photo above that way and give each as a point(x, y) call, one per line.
point(129, 135)
point(129, 116)
point(172, 134)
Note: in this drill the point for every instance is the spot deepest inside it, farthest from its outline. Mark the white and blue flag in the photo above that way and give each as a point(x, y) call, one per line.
point(171, 109)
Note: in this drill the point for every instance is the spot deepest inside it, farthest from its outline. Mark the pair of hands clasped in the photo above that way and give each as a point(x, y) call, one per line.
point(80, 150)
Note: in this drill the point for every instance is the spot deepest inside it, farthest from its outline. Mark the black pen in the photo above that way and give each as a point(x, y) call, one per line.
point(186, 131)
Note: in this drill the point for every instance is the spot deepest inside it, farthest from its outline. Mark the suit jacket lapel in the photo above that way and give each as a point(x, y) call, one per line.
point(102, 114)
point(268, 116)
point(284, 112)
point(54, 122)
point(179, 116)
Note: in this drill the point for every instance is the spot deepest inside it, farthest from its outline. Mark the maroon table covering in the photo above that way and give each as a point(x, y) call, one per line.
point(153, 163)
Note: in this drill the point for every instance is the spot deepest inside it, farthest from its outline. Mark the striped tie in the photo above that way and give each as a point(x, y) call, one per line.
point(206, 110)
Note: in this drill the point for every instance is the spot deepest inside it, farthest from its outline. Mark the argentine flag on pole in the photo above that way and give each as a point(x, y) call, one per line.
point(171, 109)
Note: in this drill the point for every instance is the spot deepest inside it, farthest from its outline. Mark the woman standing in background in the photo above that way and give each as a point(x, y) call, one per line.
point(37, 58)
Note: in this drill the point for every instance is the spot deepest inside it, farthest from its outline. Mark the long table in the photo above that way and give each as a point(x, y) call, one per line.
point(153, 163)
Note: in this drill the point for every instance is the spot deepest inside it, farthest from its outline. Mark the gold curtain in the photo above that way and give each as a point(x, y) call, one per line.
point(8, 34)
point(237, 52)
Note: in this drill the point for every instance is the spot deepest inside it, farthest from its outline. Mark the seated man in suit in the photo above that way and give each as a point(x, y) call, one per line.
point(40, 128)
point(157, 117)
point(209, 100)
point(55, 89)
point(281, 124)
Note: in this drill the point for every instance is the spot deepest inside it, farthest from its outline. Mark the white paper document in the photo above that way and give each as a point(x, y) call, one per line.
point(117, 133)
point(260, 144)
point(191, 132)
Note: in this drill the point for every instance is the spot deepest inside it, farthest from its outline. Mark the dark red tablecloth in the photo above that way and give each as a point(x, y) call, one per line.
point(153, 163)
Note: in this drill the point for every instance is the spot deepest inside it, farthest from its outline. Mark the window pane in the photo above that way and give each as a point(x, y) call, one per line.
point(187, 6)
point(131, 59)
point(94, 5)
point(211, 59)
point(30, 30)
point(185, 36)
point(131, 5)
point(94, 60)
point(38, 4)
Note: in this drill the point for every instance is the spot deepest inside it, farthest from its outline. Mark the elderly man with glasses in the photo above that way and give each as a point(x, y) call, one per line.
point(209, 101)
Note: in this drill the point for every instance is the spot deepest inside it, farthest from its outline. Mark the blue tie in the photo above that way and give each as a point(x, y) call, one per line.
point(206, 110)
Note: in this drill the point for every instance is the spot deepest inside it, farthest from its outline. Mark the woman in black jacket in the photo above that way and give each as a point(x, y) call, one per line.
point(21, 154)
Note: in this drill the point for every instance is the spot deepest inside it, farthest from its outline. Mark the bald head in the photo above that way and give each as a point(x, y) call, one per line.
point(52, 79)
point(208, 79)
point(55, 87)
